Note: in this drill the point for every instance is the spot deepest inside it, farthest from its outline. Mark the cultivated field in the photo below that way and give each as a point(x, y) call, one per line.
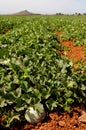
point(42, 62)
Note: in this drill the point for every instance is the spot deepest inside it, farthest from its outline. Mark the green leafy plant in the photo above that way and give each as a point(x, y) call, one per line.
point(33, 72)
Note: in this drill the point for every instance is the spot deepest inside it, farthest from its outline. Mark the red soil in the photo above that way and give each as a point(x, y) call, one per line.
point(55, 121)
point(74, 52)
point(58, 32)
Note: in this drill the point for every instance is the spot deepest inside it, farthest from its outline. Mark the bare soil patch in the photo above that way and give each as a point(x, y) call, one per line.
point(55, 121)
point(74, 52)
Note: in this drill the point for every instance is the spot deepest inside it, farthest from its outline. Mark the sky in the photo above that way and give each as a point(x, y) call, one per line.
point(43, 6)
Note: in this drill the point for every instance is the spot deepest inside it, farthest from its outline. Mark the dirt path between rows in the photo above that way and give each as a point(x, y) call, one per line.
point(75, 52)
point(55, 121)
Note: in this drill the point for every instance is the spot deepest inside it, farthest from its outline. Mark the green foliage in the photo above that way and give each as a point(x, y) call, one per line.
point(32, 71)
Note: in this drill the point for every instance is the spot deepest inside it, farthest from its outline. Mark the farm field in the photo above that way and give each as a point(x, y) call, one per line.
point(42, 63)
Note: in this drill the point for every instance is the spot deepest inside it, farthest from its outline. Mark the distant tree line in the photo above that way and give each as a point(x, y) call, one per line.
point(71, 14)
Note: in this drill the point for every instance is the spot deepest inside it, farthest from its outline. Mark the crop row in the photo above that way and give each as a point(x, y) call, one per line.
point(31, 69)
